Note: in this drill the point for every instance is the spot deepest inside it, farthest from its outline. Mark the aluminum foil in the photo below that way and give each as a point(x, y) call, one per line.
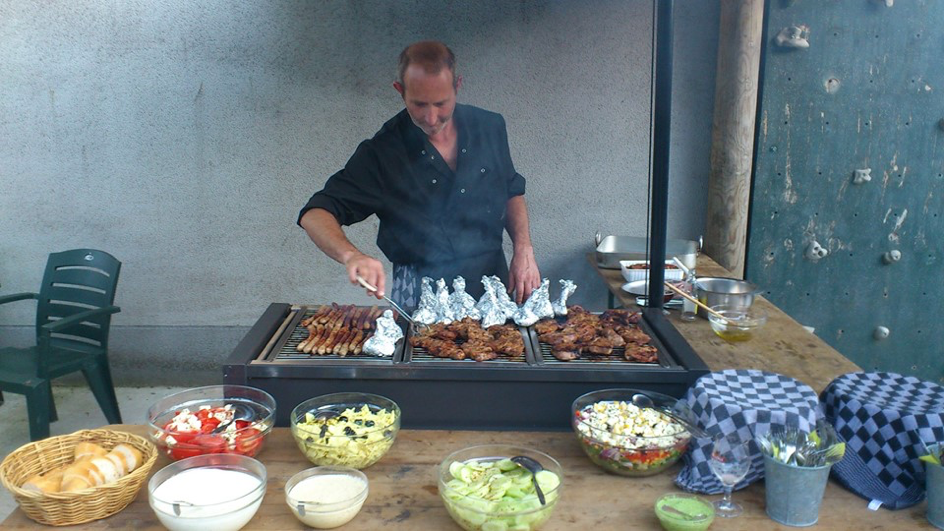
point(461, 303)
point(567, 289)
point(384, 341)
point(501, 293)
point(443, 311)
point(538, 306)
point(489, 307)
point(426, 309)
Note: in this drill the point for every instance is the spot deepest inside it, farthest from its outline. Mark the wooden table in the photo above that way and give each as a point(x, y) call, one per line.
point(782, 346)
point(403, 492)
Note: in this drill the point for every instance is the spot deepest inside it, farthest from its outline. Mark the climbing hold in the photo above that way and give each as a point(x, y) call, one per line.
point(881, 332)
point(891, 256)
point(862, 176)
point(815, 251)
point(832, 85)
point(793, 37)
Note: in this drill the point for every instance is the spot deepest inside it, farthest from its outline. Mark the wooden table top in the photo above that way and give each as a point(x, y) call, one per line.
point(404, 496)
point(782, 345)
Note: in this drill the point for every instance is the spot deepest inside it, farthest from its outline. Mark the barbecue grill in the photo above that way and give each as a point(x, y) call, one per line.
point(530, 392)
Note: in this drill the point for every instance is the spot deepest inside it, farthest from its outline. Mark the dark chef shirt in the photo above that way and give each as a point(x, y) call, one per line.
point(442, 222)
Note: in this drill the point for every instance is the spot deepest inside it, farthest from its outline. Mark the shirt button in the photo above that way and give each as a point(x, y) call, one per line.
point(463, 150)
point(432, 157)
point(423, 152)
point(462, 191)
point(434, 181)
point(483, 170)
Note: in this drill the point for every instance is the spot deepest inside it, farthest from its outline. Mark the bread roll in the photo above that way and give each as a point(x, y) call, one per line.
point(85, 450)
point(48, 483)
point(100, 470)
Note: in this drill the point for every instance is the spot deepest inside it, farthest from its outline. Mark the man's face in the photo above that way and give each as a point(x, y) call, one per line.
point(430, 98)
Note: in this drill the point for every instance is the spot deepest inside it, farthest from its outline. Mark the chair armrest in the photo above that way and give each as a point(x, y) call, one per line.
point(18, 297)
point(58, 326)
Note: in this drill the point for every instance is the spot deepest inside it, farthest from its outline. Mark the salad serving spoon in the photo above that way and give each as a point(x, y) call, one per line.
point(534, 467)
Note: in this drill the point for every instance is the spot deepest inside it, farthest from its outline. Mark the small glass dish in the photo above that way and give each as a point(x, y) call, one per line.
point(326, 497)
point(684, 512)
point(736, 323)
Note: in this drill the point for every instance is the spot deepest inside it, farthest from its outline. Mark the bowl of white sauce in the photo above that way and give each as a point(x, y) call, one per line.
point(326, 497)
point(221, 492)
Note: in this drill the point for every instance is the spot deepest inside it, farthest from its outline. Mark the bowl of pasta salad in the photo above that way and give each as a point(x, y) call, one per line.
point(345, 429)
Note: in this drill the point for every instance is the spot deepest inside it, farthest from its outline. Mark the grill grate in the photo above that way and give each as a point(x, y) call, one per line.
point(288, 351)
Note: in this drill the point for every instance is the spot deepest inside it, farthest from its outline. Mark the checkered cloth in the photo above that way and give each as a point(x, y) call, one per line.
point(742, 404)
point(406, 286)
point(884, 417)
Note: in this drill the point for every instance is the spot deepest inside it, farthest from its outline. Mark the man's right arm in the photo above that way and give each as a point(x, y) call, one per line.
point(325, 231)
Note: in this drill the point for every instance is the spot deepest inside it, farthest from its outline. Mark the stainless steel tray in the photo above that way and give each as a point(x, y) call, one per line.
point(611, 249)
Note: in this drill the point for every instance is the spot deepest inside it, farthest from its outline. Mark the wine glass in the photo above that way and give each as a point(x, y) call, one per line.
point(730, 461)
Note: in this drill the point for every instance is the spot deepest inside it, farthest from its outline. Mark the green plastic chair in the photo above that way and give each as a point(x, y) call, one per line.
point(73, 316)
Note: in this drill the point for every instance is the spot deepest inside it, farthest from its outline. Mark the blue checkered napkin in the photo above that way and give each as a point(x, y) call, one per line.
point(742, 404)
point(884, 417)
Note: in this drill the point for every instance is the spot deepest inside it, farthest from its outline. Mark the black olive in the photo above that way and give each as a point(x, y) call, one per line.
point(342, 418)
point(387, 433)
point(349, 431)
point(309, 439)
point(369, 424)
point(359, 422)
point(324, 430)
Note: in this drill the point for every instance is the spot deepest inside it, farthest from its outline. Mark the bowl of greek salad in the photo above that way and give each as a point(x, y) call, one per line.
point(345, 429)
point(483, 489)
point(624, 439)
point(214, 419)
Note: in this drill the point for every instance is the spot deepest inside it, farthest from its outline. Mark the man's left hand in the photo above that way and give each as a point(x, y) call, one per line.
point(523, 275)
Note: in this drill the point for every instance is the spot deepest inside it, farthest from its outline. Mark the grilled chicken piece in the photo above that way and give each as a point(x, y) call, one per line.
point(641, 353)
point(546, 326)
point(478, 351)
point(565, 355)
point(634, 335)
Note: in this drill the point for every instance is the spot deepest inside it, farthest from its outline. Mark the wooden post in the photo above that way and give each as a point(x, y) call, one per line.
point(732, 137)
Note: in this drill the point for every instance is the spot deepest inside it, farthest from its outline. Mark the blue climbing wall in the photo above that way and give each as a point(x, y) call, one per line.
point(846, 221)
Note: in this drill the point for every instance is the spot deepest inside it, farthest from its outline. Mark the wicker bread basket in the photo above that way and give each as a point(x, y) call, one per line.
point(75, 507)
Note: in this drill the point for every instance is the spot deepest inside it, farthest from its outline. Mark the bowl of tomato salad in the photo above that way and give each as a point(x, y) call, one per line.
point(214, 419)
point(624, 439)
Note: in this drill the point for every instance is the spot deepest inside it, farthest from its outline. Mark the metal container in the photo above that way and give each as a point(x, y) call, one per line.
point(612, 249)
point(794, 493)
point(718, 291)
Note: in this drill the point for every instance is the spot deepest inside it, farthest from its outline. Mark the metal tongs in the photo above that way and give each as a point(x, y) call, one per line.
point(419, 327)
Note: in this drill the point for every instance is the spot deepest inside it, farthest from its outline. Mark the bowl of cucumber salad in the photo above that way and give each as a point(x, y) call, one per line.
point(484, 490)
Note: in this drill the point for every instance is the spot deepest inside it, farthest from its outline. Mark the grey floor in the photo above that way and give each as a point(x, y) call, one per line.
point(77, 410)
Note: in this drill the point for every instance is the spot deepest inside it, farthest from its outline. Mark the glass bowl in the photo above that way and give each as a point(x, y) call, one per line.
point(626, 440)
point(347, 429)
point(181, 424)
point(684, 512)
point(483, 490)
point(736, 323)
point(326, 497)
point(221, 492)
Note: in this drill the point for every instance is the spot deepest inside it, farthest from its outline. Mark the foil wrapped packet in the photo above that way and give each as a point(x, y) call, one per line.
point(537, 307)
point(461, 303)
point(567, 289)
point(489, 306)
point(426, 309)
point(384, 341)
point(501, 293)
point(444, 313)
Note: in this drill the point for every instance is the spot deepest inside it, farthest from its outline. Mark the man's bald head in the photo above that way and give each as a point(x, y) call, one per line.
point(432, 56)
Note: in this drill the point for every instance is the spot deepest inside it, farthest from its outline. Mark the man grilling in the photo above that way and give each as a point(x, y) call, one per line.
point(439, 176)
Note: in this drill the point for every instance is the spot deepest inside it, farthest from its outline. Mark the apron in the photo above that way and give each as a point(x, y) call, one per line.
point(407, 278)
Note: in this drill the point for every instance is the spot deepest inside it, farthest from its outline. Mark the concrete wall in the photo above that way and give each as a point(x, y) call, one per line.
point(183, 137)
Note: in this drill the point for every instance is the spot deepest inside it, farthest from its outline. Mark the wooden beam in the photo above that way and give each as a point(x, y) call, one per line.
point(732, 137)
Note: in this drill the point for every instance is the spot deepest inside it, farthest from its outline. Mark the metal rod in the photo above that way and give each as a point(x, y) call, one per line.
point(662, 118)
